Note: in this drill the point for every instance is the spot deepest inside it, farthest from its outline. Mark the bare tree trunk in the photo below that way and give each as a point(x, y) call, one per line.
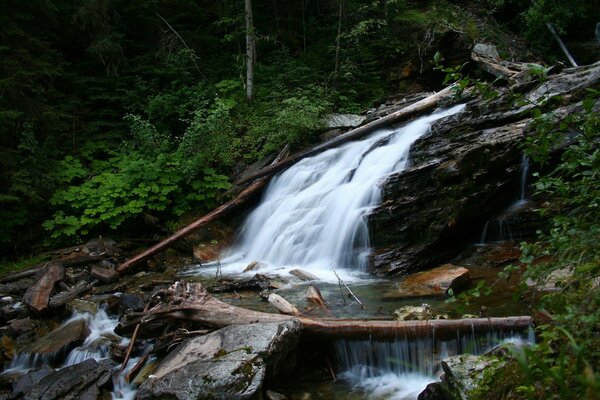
point(216, 213)
point(250, 51)
point(304, 3)
point(337, 44)
point(410, 111)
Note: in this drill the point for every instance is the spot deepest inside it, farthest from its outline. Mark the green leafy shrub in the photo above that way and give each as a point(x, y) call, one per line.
point(134, 184)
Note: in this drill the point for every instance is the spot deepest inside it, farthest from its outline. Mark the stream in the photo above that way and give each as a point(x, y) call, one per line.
point(313, 217)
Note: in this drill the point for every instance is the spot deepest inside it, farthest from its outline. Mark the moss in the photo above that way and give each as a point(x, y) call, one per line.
point(220, 353)
point(500, 382)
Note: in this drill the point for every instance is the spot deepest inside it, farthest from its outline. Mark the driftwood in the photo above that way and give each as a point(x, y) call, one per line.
point(349, 291)
point(404, 114)
point(21, 274)
point(191, 302)
point(561, 44)
point(314, 296)
point(211, 216)
point(64, 297)
point(282, 305)
point(38, 295)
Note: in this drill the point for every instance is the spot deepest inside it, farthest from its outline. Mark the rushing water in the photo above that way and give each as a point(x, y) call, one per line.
point(498, 229)
point(313, 215)
point(96, 346)
point(401, 369)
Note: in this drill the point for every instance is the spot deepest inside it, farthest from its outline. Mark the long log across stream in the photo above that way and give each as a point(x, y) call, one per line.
point(191, 302)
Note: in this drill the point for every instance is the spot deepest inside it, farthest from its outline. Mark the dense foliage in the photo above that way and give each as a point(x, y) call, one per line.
point(564, 363)
point(113, 110)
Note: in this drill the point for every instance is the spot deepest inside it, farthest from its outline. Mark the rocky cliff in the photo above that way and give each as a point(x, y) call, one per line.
point(464, 171)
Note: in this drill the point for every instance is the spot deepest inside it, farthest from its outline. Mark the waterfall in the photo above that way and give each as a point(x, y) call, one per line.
point(313, 215)
point(401, 369)
point(524, 175)
point(498, 229)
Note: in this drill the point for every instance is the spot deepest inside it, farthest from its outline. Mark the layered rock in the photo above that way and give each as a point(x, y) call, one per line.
point(463, 172)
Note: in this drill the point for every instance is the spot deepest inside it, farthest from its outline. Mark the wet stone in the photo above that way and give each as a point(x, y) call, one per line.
point(230, 363)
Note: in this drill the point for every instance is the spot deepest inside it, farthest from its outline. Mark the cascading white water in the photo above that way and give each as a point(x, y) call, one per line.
point(497, 229)
point(401, 369)
point(313, 215)
point(96, 346)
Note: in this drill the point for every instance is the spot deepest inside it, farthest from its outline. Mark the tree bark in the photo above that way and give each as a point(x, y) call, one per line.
point(191, 302)
point(412, 110)
point(282, 305)
point(337, 44)
point(38, 295)
point(250, 50)
point(211, 216)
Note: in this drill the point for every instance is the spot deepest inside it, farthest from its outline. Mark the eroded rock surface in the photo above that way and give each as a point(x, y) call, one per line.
point(230, 363)
point(76, 382)
point(466, 170)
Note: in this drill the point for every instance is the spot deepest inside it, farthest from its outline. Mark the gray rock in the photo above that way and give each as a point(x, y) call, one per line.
point(462, 373)
point(554, 282)
point(335, 121)
point(486, 50)
point(103, 274)
point(230, 363)
point(81, 381)
point(303, 275)
point(132, 302)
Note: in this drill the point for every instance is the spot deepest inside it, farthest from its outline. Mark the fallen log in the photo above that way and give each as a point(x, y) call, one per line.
point(21, 274)
point(38, 295)
point(211, 216)
point(191, 302)
point(404, 114)
point(64, 297)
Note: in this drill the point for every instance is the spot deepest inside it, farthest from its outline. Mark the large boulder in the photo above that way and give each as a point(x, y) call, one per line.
point(81, 381)
point(230, 363)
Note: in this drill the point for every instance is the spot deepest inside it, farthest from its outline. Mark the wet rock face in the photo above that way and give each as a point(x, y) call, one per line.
point(81, 381)
point(458, 178)
point(230, 363)
point(462, 173)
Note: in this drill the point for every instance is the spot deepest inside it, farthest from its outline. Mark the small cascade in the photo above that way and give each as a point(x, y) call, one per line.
point(313, 215)
point(524, 176)
point(95, 346)
point(498, 229)
point(402, 369)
